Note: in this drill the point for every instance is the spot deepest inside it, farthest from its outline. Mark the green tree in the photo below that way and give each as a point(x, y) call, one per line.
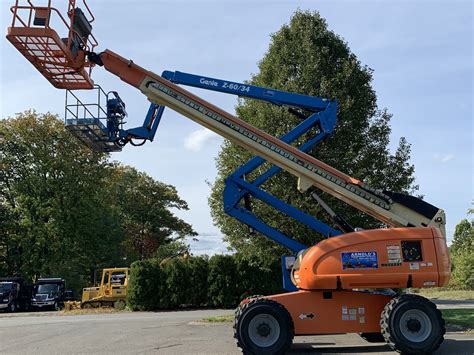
point(305, 57)
point(67, 211)
point(52, 188)
point(462, 254)
point(145, 207)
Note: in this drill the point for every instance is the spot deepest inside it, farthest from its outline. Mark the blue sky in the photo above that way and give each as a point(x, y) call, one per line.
point(421, 53)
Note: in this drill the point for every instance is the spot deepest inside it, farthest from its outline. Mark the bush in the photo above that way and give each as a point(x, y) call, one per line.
point(256, 280)
point(219, 281)
point(463, 270)
point(198, 273)
point(146, 285)
point(176, 283)
point(222, 281)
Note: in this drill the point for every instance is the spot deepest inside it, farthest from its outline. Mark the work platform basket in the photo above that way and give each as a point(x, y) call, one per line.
point(90, 119)
point(61, 59)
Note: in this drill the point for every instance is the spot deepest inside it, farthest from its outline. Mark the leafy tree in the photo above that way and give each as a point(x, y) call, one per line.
point(305, 57)
point(463, 239)
point(462, 254)
point(173, 249)
point(67, 211)
point(145, 206)
point(51, 190)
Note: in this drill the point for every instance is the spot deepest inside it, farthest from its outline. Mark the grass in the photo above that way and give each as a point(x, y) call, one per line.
point(445, 294)
point(459, 317)
point(219, 319)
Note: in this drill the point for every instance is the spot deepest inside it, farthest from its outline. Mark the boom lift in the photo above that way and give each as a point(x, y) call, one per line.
point(330, 277)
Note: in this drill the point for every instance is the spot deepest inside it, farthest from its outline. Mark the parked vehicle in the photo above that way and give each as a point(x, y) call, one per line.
point(50, 293)
point(112, 291)
point(15, 294)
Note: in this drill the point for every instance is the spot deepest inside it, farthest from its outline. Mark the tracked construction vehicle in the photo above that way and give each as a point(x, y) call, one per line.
point(341, 285)
point(112, 291)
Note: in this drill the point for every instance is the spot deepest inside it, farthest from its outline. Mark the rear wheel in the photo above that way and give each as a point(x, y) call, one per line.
point(412, 325)
point(263, 326)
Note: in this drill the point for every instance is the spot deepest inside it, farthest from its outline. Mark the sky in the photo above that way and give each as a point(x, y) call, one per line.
point(420, 51)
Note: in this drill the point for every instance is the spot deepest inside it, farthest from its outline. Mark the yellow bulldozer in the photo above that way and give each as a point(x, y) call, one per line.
point(112, 291)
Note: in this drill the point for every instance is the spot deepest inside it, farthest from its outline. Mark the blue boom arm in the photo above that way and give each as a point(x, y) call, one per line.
point(237, 190)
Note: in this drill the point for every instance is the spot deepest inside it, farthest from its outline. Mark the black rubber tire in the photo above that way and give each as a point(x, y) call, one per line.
point(257, 306)
point(391, 327)
point(12, 307)
point(373, 337)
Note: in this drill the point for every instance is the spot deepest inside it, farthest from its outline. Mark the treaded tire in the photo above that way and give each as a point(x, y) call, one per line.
point(393, 326)
point(257, 307)
point(373, 337)
point(12, 308)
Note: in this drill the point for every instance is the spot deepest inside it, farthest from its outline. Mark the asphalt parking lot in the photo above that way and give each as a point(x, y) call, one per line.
point(164, 333)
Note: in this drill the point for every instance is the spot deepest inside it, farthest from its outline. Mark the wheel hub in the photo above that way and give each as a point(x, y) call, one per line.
point(413, 325)
point(263, 329)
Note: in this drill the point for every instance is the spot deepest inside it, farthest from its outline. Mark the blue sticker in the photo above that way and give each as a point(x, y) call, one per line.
point(359, 260)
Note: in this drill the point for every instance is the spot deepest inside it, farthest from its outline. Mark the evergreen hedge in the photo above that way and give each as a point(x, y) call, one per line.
point(219, 281)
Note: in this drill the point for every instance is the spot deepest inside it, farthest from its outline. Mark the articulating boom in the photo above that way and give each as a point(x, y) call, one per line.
point(396, 210)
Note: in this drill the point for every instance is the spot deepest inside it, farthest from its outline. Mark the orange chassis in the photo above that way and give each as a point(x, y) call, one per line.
point(327, 302)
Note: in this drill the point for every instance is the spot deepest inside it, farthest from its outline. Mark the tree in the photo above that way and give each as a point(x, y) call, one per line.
point(67, 211)
point(52, 193)
point(145, 206)
point(462, 254)
point(305, 57)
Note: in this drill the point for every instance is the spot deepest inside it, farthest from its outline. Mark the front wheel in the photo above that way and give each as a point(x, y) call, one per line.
point(412, 325)
point(264, 327)
point(12, 307)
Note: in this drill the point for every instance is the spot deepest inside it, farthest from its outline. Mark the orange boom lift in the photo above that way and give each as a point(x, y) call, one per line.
point(343, 283)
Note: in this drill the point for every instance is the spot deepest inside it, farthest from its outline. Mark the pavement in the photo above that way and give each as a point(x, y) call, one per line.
point(165, 333)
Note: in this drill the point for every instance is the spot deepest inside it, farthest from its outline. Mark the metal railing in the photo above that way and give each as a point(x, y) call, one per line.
point(23, 16)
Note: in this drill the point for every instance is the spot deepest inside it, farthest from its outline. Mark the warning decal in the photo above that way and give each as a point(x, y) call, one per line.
point(359, 260)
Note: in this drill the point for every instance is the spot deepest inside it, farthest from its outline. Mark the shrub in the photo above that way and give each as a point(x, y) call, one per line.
point(463, 270)
point(219, 281)
point(176, 283)
point(222, 280)
point(145, 285)
point(198, 273)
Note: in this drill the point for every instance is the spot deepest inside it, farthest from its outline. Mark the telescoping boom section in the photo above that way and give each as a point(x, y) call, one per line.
point(396, 210)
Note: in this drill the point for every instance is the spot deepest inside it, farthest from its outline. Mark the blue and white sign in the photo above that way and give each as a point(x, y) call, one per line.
point(359, 260)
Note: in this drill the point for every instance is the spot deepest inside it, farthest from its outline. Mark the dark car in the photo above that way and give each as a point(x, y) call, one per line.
point(15, 294)
point(50, 293)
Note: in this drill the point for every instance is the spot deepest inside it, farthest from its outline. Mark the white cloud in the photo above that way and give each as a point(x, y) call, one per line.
point(208, 244)
point(443, 158)
point(197, 139)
